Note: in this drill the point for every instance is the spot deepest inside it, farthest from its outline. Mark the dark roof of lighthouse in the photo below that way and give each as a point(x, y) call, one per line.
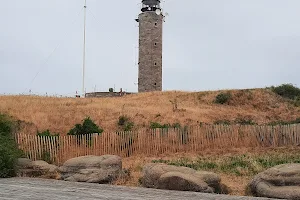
point(151, 2)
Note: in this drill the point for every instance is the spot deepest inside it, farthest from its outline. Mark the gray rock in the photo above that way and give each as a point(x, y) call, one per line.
point(44, 166)
point(282, 181)
point(92, 169)
point(162, 176)
point(39, 168)
point(24, 163)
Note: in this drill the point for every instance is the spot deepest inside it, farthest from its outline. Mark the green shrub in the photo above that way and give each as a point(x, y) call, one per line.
point(125, 123)
point(155, 125)
point(287, 91)
point(111, 89)
point(123, 120)
point(276, 123)
point(87, 127)
point(128, 126)
point(223, 98)
point(238, 121)
point(9, 152)
point(245, 122)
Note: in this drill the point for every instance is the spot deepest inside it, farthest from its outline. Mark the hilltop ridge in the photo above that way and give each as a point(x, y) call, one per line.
point(59, 115)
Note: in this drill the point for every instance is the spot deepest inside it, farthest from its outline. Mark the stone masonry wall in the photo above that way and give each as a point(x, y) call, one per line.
point(150, 52)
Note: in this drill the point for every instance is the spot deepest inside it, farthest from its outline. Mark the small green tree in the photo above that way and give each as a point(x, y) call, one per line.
point(87, 127)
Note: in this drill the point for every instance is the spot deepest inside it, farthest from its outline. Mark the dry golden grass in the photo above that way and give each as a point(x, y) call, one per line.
point(61, 114)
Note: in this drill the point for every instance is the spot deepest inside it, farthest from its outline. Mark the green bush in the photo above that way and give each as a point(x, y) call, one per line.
point(9, 152)
point(223, 98)
point(87, 127)
point(123, 120)
point(245, 122)
point(128, 126)
point(155, 125)
point(276, 123)
point(125, 123)
point(287, 91)
point(6, 125)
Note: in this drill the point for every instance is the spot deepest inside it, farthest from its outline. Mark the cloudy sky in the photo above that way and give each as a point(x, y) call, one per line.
point(208, 45)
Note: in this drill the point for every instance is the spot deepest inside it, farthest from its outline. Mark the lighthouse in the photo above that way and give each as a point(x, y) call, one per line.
point(150, 46)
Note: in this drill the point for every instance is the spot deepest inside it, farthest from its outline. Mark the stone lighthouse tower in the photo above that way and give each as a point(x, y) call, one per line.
point(150, 46)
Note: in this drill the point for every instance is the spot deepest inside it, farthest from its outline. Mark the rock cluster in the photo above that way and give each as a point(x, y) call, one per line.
point(162, 176)
point(92, 169)
point(282, 181)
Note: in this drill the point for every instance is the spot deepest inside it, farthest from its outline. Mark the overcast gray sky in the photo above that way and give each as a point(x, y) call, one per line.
point(208, 45)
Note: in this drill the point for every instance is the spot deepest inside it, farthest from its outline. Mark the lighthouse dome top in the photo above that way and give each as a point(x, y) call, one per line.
point(150, 5)
point(151, 2)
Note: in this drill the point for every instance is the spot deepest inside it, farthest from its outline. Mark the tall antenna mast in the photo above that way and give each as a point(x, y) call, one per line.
point(84, 41)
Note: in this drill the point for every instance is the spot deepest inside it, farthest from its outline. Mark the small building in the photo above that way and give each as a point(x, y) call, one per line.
point(107, 94)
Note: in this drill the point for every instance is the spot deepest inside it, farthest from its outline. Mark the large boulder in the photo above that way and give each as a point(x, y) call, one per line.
point(39, 168)
point(162, 176)
point(282, 181)
point(92, 169)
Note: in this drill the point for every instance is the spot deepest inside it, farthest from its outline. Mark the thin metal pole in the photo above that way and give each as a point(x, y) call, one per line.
point(84, 42)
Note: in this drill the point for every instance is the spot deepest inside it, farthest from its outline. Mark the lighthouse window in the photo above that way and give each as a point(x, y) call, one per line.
point(155, 64)
point(154, 83)
point(155, 24)
point(155, 44)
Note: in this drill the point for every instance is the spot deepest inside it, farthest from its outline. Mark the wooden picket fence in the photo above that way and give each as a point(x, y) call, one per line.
point(157, 142)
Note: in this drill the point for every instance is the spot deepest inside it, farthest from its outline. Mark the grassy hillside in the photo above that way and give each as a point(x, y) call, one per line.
point(59, 115)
